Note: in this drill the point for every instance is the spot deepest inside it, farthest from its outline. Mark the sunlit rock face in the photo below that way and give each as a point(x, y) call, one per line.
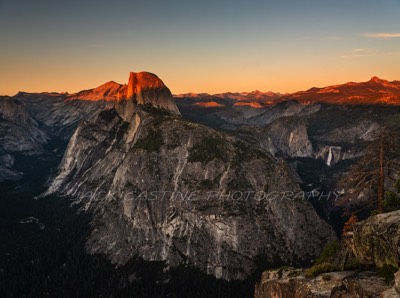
point(144, 88)
point(108, 92)
point(114, 164)
point(374, 91)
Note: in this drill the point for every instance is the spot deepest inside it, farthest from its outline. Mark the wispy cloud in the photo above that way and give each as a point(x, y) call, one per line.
point(383, 35)
point(360, 52)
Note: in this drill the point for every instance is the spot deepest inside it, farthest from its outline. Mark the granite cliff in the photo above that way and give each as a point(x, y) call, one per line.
point(167, 189)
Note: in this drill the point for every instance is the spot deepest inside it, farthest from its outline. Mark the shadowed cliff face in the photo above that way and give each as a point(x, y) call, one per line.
point(19, 134)
point(162, 188)
point(18, 130)
point(288, 136)
point(34, 131)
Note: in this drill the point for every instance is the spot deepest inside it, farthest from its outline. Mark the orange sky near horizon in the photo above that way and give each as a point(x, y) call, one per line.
point(211, 47)
point(217, 83)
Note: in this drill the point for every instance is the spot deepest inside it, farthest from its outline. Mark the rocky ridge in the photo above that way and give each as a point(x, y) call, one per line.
point(373, 243)
point(140, 148)
point(19, 134)
point(292, 283)
point(374, 91)
point(109, 92)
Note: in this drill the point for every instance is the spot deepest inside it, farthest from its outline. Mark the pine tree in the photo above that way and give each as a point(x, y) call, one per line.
point(369, 177)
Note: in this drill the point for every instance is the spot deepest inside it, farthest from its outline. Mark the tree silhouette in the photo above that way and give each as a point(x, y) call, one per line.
point(366, 180)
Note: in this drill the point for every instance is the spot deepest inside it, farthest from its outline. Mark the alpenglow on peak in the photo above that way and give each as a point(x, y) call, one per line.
point(145, 88)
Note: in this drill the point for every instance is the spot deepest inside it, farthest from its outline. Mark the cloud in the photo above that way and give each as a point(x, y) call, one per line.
point(355, 56)
point(360, 52)
point(381, 35)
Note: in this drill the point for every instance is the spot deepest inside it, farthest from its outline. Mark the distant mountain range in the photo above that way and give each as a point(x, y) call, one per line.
point(374, 91)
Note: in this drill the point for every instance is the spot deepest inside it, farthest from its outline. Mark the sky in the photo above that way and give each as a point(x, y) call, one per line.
point(197, 46)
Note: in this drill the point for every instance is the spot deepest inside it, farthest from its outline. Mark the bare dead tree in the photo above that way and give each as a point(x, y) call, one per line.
point(365, 181)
